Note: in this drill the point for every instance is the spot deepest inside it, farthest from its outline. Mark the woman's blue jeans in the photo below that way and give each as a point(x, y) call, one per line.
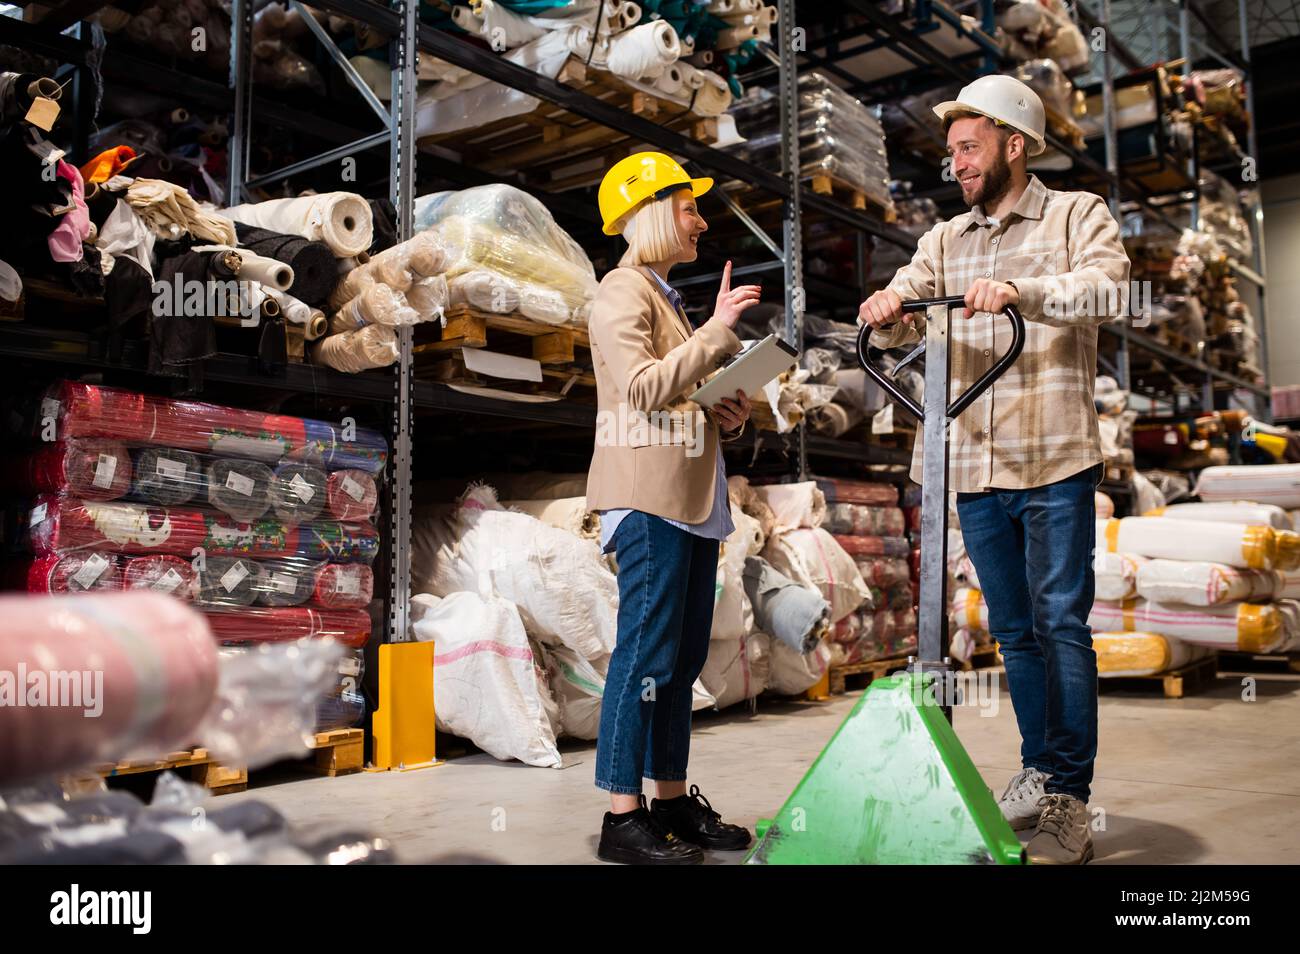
point(1033, 553)
point(666, 588)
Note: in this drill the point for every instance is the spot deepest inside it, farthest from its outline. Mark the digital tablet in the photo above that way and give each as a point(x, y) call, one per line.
point(749, 372)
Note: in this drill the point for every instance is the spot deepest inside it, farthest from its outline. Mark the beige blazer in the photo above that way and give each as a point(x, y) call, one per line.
point(655, 451)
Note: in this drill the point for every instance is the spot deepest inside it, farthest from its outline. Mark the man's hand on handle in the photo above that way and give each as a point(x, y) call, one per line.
point(732, 301)
point(883, 308)
point(989, 296)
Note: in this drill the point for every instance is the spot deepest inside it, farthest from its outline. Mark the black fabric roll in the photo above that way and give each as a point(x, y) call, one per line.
point(315, 269)
point(228, 581)
point(274, 576)
point(157, 484)
point(226, 485)
point(384, 218)
point(293, 482)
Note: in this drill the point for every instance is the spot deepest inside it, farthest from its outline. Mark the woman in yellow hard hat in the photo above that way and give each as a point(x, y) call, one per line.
point(658, 481)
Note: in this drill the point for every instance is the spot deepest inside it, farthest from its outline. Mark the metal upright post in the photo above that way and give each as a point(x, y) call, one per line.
point(241, 83)
point(788, 93)
point(1255, 216)
point(1112, 169)
point(1185, 51)
point(402, 178)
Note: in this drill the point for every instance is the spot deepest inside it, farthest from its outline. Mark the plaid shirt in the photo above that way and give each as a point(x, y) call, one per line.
point(1036, 424)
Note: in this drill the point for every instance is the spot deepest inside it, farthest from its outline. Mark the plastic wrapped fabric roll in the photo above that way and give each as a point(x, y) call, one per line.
point(794, 505)
point(1245, 627)
point(351, 495)
point(1249, 547)
point(1105, 506)
point(298, 492)
point(1116, 574)
point(374, 346)
point(484, 289)
point(1203, 584)
point(240, 488)
point(1228, 512)
point(79, 572)
point(1288, 585)
point(968, 610)
point(168, 575)
point(398, 267)
point(429, 297)
point(862, 520)
point(159, 676)
point(60, 524)
point(344, 585)
point(314, 271)
point(285, 582)
point(91, 468)
point(543, 304)
point(227, 581)
point(883, 571)
point(343, 704)
point(268, 538)
point(267, 624)
point(341, 220)
point(376, 305)
point(1141, 654)
point(857, 491)
point(872, 545)
point(167, 476)
point(336, 448)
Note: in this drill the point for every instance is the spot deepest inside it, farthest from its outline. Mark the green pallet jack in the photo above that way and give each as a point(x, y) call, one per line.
point(894, 785)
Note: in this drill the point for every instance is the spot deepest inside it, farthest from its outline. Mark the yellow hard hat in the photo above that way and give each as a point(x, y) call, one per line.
point(641, 176)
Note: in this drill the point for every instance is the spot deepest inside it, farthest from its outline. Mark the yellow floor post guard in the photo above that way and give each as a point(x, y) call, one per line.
point(403, 725)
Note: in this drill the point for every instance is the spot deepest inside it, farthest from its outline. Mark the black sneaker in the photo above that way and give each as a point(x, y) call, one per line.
point(691, 818)
point(635, 838)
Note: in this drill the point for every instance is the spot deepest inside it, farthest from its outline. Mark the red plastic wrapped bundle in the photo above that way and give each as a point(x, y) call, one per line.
point(913, 517)
point(162, 574)
point(74, 573)
point(873, 546)
point(148, 662)
point(897, 596)
point(92, 469)
point(858, 491)
point(884, 571)
point(260, 624)
point(341, 586)
point(60, 524)
point(1160, 440)
point(862, 520)
point(352, 495)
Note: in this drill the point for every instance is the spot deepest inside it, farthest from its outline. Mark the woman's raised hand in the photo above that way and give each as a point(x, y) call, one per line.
point(732, 301)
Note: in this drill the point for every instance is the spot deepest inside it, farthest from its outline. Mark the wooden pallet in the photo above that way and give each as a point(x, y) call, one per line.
point(542, 144)
point(1259, 662)
point(862, 674)
point(1192, 678)
point(338, 752)
point(983, 657)
point(852, 196)
point(564, 351)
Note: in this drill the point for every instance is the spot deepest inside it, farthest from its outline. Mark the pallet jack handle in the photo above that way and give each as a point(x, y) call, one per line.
point(868, 354)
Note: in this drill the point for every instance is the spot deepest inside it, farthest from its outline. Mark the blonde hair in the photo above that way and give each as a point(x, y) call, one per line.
point(651, 232)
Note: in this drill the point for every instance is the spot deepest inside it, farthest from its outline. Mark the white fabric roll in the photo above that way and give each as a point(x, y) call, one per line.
point(484, 289)
point(1116, 575)
point(1268, 483)
point(643, 52)
point(1253, 547)
point(503, 28)
point(342, 220)
point(271, 273)
point(374, 346)
point(566, 513)
point(1239, 511)
point(1204, 584)
point(1288, 585)
point(671, 80)
point(690, 75)
point(428, 297)
point(1244, 627)
point(543, 304)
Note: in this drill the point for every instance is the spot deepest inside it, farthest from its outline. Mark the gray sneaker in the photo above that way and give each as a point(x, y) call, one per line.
point(1019, 803)
point(1064, 836)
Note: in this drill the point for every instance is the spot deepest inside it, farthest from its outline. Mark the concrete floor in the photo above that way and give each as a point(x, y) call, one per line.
point(1201, 780)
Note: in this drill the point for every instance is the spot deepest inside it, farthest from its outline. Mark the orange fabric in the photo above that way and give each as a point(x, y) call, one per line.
point(107, 164)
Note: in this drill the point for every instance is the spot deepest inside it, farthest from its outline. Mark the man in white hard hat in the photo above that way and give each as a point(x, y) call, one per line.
point(1025, 459)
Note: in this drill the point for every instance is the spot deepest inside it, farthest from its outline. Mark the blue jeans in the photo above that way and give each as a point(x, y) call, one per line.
point(666, 580)
point(1033, 553)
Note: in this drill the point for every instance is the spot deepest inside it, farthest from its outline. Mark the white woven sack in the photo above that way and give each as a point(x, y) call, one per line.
point(792, 672)
point(1244, 627)
point(1116, 575)
point(814, 558)
point(794, 505)
point(1170, 539)
point(737, 669)
point(1262, 483)
point(1237, 511)
point(1202, 584)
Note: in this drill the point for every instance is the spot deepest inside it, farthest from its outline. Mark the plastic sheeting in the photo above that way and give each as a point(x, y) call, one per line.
point(1142, 654)
point(1245, 546)
point(1277, 484)
point(1203, 584)
point(1247, 627)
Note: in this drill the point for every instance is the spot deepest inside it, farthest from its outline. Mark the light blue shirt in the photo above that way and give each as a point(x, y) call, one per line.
point(718, 525)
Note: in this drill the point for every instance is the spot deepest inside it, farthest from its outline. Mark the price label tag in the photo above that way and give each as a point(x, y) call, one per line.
point(38, 514)
point(349, 666)
point(234, 576)
point(49, 408)
point(168, 582)
point(90, 571)
point(171, 469)
point(284, 583)
point(43, 113)
point(239, 483)
point(304, 490)
point(104, 471)
point(353, 489)
point(349, 584)
point(1171, 437)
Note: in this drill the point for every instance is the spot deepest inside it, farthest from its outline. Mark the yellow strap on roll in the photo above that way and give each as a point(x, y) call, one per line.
point(1128, 608)
point(1257, 627)
point(1272, 444)
point(1259, 547)
point(1288, 549)
point(1155, 512)
point(973, 600)
point(1112, 535)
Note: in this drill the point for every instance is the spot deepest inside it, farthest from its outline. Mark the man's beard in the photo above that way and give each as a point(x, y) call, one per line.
point(997, 179)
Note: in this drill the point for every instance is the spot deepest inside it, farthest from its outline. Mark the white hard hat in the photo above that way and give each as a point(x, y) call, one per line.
point(1006, 99)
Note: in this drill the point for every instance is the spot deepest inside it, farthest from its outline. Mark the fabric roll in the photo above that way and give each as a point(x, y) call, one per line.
point(263, 624)
point(857, 491)
point(643, 52)
point(285, 582)
point(351, 495)
point(429, 297)
point(159, 668)
point(79, 572)
point(172, 213)
point(341, 220)
point(859, 519)
point(228, 581)
point(374, 346)
point(58, 524)
point(796, 615)
point(873, 545)
point(240, 488)
point(313, 264)
point(18, 91)
point(166, 475)
point(168, 575)
point(92, 469)
point(298, 492)
point(566, 513)
point(342, 586)
point(270, 272)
